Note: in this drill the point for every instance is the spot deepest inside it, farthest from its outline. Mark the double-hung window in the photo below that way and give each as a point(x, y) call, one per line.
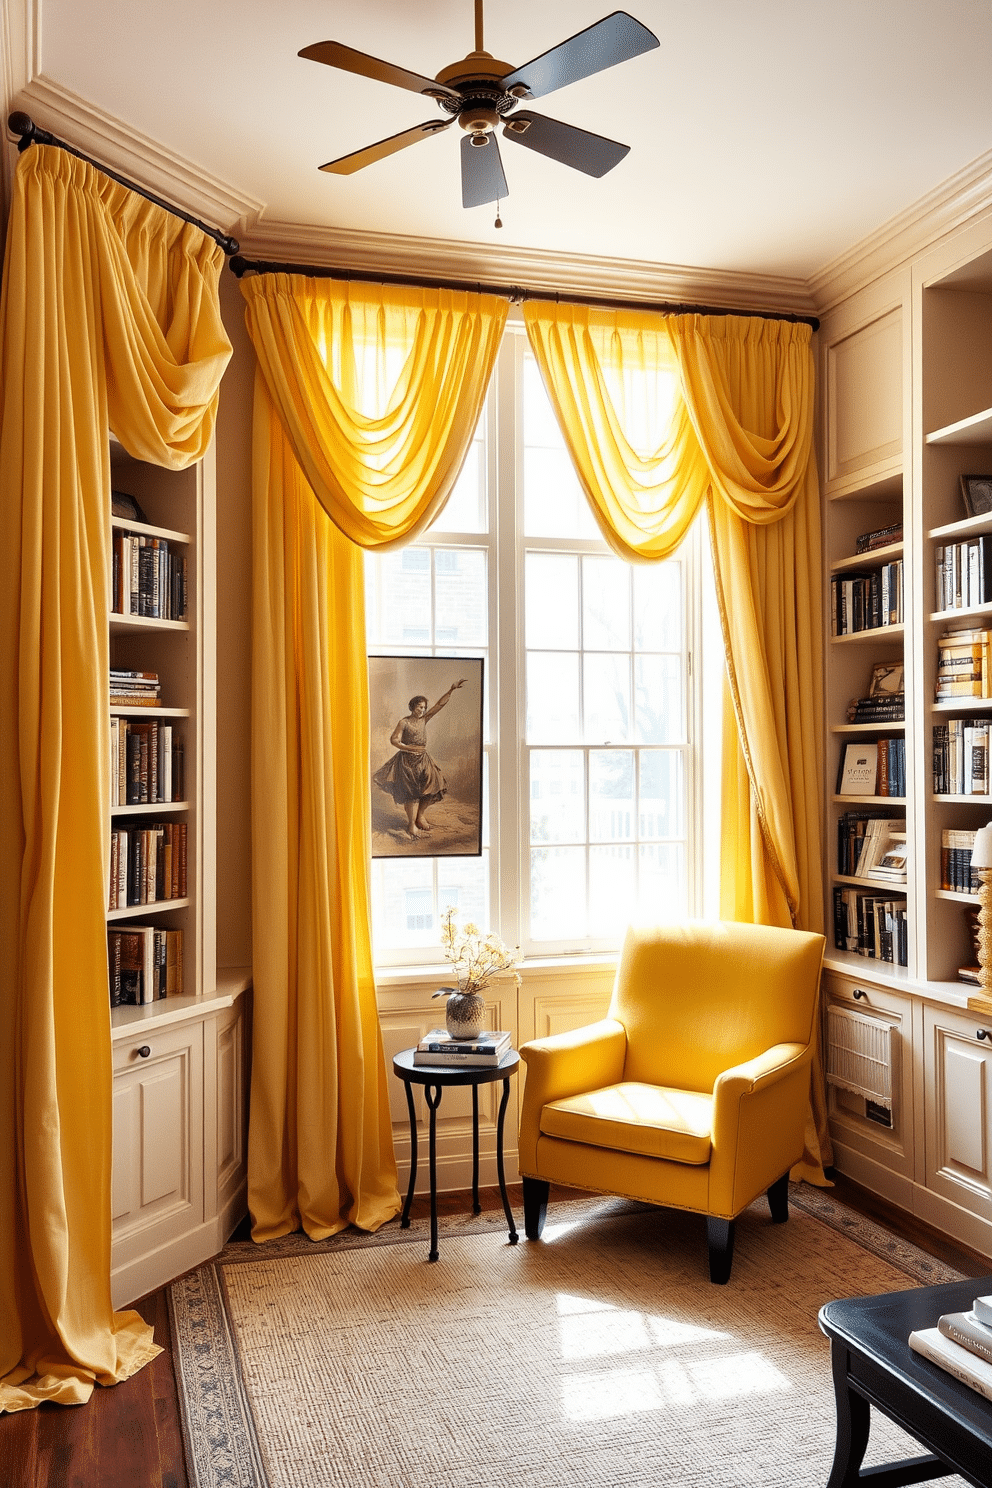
point(593, 804)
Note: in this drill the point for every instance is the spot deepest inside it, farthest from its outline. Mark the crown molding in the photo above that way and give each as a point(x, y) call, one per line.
point(143, 160)
point(955, 202)
point(536, 270)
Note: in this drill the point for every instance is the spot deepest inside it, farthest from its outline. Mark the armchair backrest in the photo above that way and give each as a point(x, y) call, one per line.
point(700, 997)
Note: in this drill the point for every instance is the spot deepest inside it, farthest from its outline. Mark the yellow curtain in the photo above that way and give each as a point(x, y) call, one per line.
point(379, 389)
point(365, 402)
point(728, 416)
point(109, 319)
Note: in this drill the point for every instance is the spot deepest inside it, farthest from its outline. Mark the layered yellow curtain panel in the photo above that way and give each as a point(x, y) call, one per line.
point(110, 320)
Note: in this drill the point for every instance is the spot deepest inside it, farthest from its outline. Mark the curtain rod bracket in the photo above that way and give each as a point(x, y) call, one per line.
point(29, 133)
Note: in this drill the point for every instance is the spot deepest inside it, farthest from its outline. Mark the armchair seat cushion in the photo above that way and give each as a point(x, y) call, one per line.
point(649, 1120)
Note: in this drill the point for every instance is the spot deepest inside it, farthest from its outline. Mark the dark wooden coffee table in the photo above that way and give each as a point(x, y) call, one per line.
point(873, 1364)
point(434, 1078)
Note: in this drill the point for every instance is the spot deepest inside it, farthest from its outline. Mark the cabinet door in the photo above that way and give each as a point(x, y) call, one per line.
point(158, 1139)
point(958, 1082)
point(872, 1145)
point(864, 400)
point(231, 1107)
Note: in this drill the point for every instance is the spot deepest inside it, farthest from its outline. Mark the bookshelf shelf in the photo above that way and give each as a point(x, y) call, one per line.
point(875, 559)
point(975, 429)
point(139, 911)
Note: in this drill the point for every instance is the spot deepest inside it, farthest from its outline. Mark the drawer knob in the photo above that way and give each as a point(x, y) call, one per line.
point(858, 995)
point(144, 1051)
point(983, 1033)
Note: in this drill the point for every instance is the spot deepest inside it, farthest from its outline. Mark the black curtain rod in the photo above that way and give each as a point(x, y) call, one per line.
point(30, 134)
point(241, 266)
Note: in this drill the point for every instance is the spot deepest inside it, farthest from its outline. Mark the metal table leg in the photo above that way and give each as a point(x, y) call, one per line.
point(433, 1096)
point(499, 1161)
point(405, 1219)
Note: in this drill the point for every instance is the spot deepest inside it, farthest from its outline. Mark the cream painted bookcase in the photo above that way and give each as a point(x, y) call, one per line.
point(180, 1063)
point(906, 374)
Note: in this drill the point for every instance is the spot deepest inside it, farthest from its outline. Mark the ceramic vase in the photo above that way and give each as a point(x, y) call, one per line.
point(464, 1014)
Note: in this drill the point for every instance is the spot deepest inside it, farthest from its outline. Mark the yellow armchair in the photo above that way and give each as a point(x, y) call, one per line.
point(693, 1092)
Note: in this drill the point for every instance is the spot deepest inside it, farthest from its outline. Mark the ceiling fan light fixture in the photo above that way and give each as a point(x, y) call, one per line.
point(478, 140)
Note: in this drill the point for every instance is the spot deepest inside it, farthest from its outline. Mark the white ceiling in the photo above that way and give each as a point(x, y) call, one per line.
point(767, 137)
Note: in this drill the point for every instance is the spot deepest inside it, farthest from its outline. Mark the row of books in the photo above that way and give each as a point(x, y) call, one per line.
point(147, 864)
point(439, 1048)
point(147, 762)
point(145, 962)
point(956, 872)
point(873, 767)
point(149, 578)
point(134, 689)
point(882, 537)
point(871, 846)
point(963, 664)
point(871, 925)
point(961, 757)
point(961, 1344)
point(964, 573)
point(867, 601)
point(884, 707)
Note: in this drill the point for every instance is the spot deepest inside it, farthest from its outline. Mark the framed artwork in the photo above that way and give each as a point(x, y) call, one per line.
point(425, 718)
point(976, 492)
point(886, 678)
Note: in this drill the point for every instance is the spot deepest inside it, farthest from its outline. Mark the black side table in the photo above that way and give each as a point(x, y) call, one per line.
point(434, 1078)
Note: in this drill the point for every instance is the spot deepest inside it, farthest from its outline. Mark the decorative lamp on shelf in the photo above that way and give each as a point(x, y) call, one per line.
point(981, 863)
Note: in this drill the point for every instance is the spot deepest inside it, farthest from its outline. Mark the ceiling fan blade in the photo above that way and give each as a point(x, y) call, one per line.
point(334, 54)
point(482, 173)
point(348, 164)
point(616, 38)
point(592, 153)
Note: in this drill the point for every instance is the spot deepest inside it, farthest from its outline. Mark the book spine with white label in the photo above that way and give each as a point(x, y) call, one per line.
point(931, 1344)
point(965, 1329)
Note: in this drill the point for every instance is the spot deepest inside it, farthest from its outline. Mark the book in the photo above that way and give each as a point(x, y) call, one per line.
point(438, 1047)
point(970, 1332)
point(965, 1366)
point(982, 1308)
point(881, 538)
point(858, 770)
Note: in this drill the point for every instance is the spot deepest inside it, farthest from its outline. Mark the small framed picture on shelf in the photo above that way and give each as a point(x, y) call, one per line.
point(886, 678)
point(858, 769)
point(976, 493)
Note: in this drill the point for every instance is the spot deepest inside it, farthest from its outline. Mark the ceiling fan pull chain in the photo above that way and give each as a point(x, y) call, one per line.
point(499, 220)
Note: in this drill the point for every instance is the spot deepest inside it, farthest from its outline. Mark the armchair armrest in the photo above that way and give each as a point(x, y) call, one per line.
point(565, 1064)
point(759, 1116)
point(755, 1074)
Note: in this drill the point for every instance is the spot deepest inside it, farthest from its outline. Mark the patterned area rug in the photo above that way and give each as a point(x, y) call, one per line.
point(600, 1356)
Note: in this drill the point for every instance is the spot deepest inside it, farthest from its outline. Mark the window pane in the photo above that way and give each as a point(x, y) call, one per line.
point(399, 599)
point(557, 796)
point(460, 598)
point(658, 690)
point(607, 698)
point(612, 805)
point(555, 504)
point(552, 697)
point(552, 601)
point(463, 884)
point(663, 889)
point(612, 889)
point(605, 604)
point(658, 606)
point(540, 424)
point(465, 509)
point(403, 902)
point(557, 892)
point(662, 791)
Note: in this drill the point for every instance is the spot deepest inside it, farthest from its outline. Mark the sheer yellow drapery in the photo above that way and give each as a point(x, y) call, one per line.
point(731, 422)
point(109, 317)
point(379, 389)
point(366, 399)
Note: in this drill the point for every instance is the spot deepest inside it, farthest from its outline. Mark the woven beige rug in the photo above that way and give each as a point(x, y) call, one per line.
point(600, 1357)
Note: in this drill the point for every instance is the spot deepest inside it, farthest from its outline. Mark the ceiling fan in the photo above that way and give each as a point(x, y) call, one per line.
point(480, 92)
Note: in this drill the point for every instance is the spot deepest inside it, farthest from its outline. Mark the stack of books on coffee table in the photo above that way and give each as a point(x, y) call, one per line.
point(961, 1343)
point(439, 1048)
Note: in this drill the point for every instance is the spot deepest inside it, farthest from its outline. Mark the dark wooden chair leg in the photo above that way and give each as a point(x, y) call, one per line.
point(535, 1207)
point(778, 1199)
point(720, 1239)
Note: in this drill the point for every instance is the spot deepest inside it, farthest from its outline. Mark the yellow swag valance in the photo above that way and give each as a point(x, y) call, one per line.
point(110, 319)
point(379, 390)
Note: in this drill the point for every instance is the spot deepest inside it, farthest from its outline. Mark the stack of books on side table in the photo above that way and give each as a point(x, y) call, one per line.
point(438, 1047)
point(961, 1343)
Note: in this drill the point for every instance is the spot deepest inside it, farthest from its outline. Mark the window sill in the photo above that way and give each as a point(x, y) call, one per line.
point(532, 969)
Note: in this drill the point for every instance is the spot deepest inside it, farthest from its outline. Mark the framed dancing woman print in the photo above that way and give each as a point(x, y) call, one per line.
point(425, 718)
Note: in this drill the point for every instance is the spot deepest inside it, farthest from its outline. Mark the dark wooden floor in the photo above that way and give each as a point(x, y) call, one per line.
point(130, 1437)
